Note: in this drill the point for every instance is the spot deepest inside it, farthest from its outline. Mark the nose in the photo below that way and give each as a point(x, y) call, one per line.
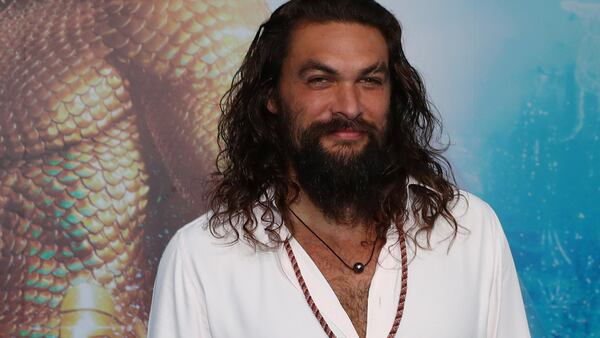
point(347, 101)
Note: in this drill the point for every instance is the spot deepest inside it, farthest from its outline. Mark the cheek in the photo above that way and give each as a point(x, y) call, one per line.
point(377, 108)
point(310, 108)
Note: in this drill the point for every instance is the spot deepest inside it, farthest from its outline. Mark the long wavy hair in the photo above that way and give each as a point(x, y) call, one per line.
point(252, 166)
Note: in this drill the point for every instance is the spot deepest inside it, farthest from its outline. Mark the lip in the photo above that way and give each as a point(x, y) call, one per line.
point(348, 135)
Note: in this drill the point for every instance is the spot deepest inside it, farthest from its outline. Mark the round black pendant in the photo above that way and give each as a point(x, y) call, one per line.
point(358, 267)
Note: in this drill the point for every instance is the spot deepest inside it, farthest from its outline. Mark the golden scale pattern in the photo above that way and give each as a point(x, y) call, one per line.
point(81, 83)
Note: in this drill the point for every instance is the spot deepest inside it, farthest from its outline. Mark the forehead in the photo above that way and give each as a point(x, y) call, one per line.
point(337, 44)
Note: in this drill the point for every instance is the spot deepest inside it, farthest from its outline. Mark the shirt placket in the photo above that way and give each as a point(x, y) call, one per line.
point(383, 292)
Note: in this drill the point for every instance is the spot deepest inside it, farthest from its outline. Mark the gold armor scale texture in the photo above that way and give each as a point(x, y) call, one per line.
point(108, 113)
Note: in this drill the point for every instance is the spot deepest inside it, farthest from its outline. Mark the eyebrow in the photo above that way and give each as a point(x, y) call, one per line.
point(311, 65)
point(380, 67)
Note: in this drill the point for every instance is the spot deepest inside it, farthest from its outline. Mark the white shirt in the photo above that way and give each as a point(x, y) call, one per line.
point(206, 288)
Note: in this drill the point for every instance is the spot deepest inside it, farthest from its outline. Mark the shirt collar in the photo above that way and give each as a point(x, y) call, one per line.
point(413, 181)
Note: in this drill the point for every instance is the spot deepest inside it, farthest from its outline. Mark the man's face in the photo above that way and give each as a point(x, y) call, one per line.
point(336, 75)
point(333, 99)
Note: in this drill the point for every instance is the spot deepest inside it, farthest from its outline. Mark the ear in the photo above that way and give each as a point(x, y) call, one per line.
point(271, 105)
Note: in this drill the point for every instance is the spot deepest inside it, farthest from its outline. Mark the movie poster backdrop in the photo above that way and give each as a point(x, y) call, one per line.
point(108, 115)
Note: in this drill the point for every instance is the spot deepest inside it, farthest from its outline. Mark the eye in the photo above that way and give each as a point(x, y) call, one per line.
point(372, 81)
point(318, 81)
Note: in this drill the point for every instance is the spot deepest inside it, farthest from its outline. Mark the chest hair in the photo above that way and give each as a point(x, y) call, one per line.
point(351, 289)
point(354, 297)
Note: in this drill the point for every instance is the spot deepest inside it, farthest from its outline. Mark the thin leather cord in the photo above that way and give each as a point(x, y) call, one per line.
point(315, 309)
point(332, 251)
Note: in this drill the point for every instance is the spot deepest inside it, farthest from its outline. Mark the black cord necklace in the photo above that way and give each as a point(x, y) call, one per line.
point(358, 267)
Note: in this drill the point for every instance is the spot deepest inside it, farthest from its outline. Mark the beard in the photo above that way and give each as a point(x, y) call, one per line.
point(344, 183)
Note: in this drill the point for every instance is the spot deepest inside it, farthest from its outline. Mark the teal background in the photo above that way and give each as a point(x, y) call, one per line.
point(517, 84)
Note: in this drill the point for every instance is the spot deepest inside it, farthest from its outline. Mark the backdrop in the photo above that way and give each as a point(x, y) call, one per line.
point(518, 86)
point(108, 113)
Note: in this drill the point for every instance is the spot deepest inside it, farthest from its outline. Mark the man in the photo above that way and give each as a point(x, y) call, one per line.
point(333, 214)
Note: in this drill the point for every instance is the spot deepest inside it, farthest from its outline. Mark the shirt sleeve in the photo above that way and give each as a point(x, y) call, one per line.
point(507, 318)
point(178, 304)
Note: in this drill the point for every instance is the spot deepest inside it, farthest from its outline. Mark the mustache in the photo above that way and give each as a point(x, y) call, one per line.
point(338, 123)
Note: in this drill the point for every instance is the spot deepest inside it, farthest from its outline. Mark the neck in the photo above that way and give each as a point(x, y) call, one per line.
point(335, 231)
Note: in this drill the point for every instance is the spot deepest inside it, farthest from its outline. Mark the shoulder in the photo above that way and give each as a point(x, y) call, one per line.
point(191, 236)
point(465, 206)
point(208, 261)
point(194, 242)
point(194, 231)
point(469, 207)
point(187, 244)
point(476, 223)
point(198, 244)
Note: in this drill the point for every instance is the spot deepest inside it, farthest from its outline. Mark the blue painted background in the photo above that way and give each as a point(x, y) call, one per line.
point(518, 86)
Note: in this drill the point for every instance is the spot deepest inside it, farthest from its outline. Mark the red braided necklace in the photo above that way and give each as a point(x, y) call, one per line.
point(315, 309)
